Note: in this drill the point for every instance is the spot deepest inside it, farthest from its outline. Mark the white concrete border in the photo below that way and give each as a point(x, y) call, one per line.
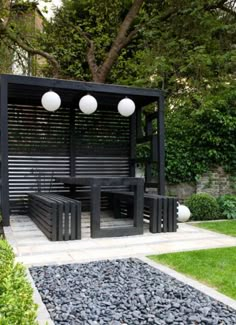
point(193, 283)
point(43, 316)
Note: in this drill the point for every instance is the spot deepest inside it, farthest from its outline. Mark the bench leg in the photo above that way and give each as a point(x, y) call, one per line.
point(95, 199)
point(153, 216)
point(116, 207)
point(130, 209)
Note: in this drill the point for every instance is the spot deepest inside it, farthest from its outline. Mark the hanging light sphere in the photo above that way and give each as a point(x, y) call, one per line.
point(51, 101)
point(126, 107)
point(88, 104)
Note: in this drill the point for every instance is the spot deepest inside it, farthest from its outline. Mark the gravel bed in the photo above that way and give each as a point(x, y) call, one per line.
point(126, 291)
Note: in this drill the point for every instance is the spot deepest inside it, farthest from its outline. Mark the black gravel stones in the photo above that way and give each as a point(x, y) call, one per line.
point(123, 292)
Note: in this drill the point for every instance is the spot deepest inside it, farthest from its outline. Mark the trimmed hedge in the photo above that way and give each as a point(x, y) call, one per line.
point(203, 206)
point(16, 295)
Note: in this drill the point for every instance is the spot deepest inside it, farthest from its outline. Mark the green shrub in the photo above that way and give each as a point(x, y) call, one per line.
point(203, 206)
point(16, 302)
point(227, 204)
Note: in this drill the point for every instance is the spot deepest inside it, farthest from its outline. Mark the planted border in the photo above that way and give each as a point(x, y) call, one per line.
point(16, 294)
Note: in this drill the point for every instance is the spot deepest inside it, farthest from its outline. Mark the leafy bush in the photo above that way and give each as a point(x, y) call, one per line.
point(203, 206)
point(227, 204)
point(16, 302)
point(199, 133)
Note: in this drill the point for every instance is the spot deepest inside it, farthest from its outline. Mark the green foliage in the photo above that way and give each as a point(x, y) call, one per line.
point(203, 206)
point(16, 303)
point(64, 37)
point(227, 204)
point(200, 134)
point(193, 60)
point(18, 23)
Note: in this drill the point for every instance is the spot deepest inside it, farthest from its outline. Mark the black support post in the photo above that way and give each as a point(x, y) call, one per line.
point(72, 143)
point(72, 149)
point(138, 114)
point(4, 151)
point(161, 147)
point(132, 144)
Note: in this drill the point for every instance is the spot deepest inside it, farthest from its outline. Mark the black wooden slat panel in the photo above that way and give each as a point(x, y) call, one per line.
point(170, 216)
point(78, 224)
point(165, 216)
point(73, 232)
point(174, 216)
point(159, 215)
point(33, 130)
point(39, 149)
point(28, 174)
point(105, 133)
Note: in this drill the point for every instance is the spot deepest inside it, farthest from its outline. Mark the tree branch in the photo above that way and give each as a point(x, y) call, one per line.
point(131, 35)
point(90, 53)
point(120, 41)
point(215, 6)
point(228, 10)
point(34, 51)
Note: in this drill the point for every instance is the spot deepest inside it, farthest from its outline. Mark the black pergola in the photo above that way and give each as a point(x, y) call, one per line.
point(37, 146)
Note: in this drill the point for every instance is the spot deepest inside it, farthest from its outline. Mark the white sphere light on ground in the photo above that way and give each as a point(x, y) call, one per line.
point(51, 101)
point(88, 104)
point(183, 213)
point(126, 107)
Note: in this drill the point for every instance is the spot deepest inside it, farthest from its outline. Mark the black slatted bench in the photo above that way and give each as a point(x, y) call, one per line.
point(58, 217)
point(162, 210)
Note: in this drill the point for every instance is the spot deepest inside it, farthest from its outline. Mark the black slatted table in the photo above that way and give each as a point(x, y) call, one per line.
point(95, 184)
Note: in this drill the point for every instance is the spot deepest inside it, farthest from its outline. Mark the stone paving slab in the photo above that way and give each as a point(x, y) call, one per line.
point(33, 248)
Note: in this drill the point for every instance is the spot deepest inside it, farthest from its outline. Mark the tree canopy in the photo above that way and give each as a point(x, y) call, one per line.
point(128, 41)
point(187, 48)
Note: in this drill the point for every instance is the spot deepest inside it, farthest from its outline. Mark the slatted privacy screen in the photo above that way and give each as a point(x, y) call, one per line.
point(40, 149)
point(102, 166)
point(105, 133)
point(28, 174)
point(34, 131)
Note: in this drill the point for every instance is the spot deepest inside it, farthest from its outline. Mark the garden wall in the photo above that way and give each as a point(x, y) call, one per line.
point(216, 182)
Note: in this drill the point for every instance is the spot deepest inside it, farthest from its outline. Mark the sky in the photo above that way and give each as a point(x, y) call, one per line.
point(42, 4)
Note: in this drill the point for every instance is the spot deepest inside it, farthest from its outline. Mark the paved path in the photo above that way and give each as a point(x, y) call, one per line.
point(33, 248)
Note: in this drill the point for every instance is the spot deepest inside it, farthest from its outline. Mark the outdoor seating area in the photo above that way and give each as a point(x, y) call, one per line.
point(58, 165)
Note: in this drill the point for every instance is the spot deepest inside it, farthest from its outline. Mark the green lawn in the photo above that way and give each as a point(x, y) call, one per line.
point(213, 267)
point(227, 227)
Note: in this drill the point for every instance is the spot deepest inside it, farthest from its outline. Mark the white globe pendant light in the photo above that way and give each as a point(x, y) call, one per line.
point(51, 101)
point(126, 107)
point(88, 104)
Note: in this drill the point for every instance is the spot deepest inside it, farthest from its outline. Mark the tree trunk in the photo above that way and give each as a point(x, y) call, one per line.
point(100, 73)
